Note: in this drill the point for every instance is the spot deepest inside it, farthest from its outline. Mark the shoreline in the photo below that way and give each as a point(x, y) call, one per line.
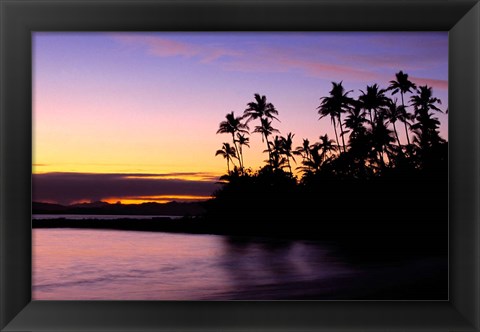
point(351, 240)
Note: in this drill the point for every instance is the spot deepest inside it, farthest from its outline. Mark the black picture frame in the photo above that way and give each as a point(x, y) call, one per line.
point(19, 18)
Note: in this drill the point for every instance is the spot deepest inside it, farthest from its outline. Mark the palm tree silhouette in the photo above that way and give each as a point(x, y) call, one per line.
point(426, 127)
point(260, 109)
point(263, 110)
point(381, 138)
point(424, 101)
point(277, 161)
point(304, 150)
point(227, 152)
point(242, 140)
point(403, 85)
point(354, 121)
point(287, 149)
point(426, 131)
point(314, 162)
point(334, 105)
point(372, 100)
point(233, 125)
point(393, 114)
point(266, 130)
point(327, 146)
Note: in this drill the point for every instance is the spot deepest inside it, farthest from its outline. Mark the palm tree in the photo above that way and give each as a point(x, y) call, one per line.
point(394, 113)
point(259, 109)
point(354, 121)
point(303, 150)
point(326, 110)
point(314, 162)
point(242, 140)
point(403, 85)
point(426, 128)
point(233, 125)
point(227, 152)
point(373, 100)
point(266, 130)
point(277, 160)
point(265, 111)
point(426, 131)
point(381, 138)
point(287, 149)
point(327, 146)
point(334, 105)
point(424, 101)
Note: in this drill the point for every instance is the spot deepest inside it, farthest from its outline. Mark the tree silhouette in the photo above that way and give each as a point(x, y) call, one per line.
point(277, 161)
point(393, 114)
point(287, 149)
point(403, 85)
point(266, 130)
point(242, 140)
point(372, 100)
point(259, 109)
point(426, 128)
point(233, 125)
point(334, 105)
point(265, 111)
point(354, 121)
point(382, 137)
point(227, 152)
point(304, 150)
point(326, 146)
point(423, 101)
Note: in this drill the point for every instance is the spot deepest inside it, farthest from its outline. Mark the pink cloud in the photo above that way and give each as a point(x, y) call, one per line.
point(164, 47)
point(435, 83)
point(278, 59)
point(325, 70)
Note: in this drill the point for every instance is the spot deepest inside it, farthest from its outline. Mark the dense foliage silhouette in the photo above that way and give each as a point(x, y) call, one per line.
point(364, 186)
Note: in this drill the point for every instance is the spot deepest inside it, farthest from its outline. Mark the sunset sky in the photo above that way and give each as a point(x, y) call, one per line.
point(132, 117)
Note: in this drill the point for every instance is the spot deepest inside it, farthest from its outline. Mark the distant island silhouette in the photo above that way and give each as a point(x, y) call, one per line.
point(104, 208)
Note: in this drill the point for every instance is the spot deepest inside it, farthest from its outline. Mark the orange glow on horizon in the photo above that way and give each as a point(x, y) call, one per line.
point(155, 199)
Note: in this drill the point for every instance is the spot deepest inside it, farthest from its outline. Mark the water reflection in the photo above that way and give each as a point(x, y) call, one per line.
point(73, 264)
point(278, 269)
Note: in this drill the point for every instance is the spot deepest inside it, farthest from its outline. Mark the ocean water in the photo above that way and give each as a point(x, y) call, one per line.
point(83, 264)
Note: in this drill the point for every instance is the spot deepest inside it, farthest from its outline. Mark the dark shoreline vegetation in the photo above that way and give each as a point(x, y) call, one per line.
point(366, 188)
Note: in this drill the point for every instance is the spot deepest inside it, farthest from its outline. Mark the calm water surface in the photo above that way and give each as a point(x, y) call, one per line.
point(82, 264)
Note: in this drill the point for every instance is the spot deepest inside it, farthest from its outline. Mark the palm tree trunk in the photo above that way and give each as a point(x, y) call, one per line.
point(341, 131)
point(405, 123)
point(237, 151)
point(241, 156)
point(335, 129)
point(269, 151)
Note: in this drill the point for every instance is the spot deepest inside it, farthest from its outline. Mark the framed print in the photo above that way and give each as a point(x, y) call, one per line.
point(331, 184)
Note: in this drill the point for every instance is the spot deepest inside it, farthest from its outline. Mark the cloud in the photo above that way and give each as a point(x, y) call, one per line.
point(331, 57)
point(164, 47)
point(66, 188)
point(438, 84)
